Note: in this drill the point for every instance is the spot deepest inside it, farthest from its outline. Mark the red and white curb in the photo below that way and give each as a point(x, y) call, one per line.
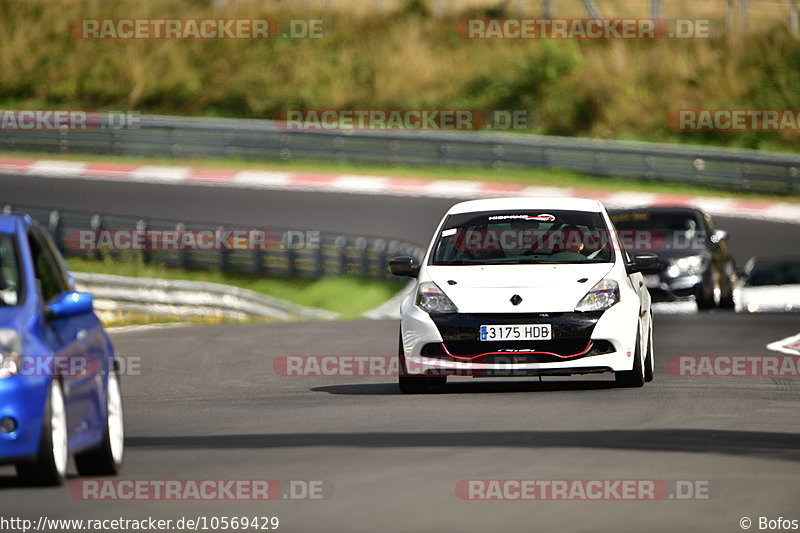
point(382, 185)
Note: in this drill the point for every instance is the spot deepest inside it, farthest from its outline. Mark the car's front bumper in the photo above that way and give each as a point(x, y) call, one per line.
point(670, 289)
point(582, 343)
point(22, 398)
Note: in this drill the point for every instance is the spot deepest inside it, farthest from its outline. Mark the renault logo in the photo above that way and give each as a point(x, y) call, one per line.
point(516, 299)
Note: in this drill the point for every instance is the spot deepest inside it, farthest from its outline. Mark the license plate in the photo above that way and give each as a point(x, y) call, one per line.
point(651, 282)
point(516, 332)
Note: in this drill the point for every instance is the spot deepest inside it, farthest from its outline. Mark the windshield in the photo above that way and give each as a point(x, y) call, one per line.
point(778, 273)
point(523, 237)
point(684, 225)
point(9, 272)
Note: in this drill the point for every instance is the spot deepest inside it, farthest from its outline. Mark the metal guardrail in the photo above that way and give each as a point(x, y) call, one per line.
point(188, 299)
point(335, 254)
point(165, 136)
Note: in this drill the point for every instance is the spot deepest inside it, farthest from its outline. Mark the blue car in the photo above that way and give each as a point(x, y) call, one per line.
point(59, 380)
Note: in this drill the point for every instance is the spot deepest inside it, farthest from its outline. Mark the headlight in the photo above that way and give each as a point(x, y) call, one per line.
point(10, 352)
point(602, 296)
point(684, 264)
point(430, 298)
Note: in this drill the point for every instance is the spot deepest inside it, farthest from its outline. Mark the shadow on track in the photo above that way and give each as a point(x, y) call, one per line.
point(784, 446)
point(470, 387)
point(11, 481)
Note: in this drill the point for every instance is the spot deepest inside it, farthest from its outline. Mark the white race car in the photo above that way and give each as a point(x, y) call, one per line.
point(525, 287)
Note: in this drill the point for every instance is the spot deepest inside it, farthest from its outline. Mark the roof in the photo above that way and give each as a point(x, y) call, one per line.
point(660, 209)
point(8, 223)
point(535, 204)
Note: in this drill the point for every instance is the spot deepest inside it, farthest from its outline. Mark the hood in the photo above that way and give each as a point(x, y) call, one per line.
point(665, 256)
point(543, 288)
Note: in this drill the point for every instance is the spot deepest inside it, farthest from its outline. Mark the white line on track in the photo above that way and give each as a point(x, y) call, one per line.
point(790, 345)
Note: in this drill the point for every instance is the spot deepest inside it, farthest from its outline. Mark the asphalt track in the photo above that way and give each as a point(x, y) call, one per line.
point(207, 403)
point(385, 216)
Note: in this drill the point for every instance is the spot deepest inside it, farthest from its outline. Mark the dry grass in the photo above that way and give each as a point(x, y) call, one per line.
point(389, 59)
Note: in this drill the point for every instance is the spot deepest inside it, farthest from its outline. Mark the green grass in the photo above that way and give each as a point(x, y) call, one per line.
point(348, 296)
point(533, 177)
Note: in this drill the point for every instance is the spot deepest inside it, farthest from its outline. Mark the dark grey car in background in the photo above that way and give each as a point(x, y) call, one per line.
point(695, 261)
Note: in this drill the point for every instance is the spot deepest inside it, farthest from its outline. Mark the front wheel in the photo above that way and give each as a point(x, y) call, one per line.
point(634, 377)
point(726, 299)
point(704, 295)
point(648, 361)
point(107, 459)
point(412, 383)
point(50, 465)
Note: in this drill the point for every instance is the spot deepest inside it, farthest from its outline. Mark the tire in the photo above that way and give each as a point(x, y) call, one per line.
point(50, 465)
point(704, 295)
point(726, 300)
point(648, 361)
point(635, 377)
point(107, 459)
point(414, 384)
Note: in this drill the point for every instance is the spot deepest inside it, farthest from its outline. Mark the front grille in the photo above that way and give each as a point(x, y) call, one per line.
point(516, 352)
point(461, 334)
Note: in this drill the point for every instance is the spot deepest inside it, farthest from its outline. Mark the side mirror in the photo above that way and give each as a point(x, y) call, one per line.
point(645, 263)
point(719, 235)
point(403, 266)
point(70, 303)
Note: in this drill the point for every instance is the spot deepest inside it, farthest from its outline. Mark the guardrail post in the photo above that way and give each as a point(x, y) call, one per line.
point(258, 262)
point(291, 259)
point(96, 224)
point(183, 253)
point(319, 260)
point(340, 245)
point(224, 253)
point(793, 183)
point(444, 149)
point(362, 246)
point(381, 260)
point(144, 253)
point(63, 141)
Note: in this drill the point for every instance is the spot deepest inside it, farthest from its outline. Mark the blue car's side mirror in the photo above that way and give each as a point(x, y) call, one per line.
point(70, 303)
